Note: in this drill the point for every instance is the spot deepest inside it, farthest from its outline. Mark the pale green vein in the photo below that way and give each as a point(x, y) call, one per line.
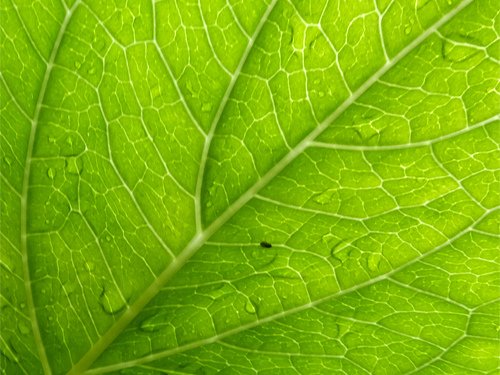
point(443, 352)
point(222, 106)
point(24, 192)
point(191, 248)
point(201, 237)
point(283, 314)
point(340, 146)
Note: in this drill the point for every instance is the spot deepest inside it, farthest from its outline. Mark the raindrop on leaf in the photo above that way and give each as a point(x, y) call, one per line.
point(249, 307)
point(69, 287)
point(206, 107)
point(111, 300)
point(8, 160)
point(148, 325)
point(90, 266)
point(373, 261)
point(325, 197)
point(51, 173)
point(74, 165)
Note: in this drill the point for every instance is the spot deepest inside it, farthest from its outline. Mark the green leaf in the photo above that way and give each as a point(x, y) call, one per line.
point(148, 148)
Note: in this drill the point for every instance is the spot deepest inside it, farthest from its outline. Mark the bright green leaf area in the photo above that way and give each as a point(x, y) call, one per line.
point(148, 147)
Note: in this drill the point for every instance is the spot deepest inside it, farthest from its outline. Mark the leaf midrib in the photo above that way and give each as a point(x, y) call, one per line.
point(201, 237)
point(196, 242)
point(297, 309)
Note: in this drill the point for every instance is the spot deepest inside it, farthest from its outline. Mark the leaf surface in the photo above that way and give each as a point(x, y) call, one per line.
point(150, 147)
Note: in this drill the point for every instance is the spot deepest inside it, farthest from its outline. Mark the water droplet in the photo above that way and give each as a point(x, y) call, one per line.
point(212, 190)
point(284, 273)
point(324, 197)
point(8, 160)
point(249, 307)
point(90, 266)
point(8, 262)
point(22, 305)
point(190, 88)
point(327, 239)
point(407, 29)
point(77, 64)
point(155, 91)
point(209, 204)
point(337, 250)
point(69, 141)
point(373, 261)
point(51, 318)
point(316, 81)
point(220, 290)
point(99, 45)
point(206, 107)
point(69, 287)
point(149, 325)
point(52, 139)
point(111, 300)
point(321, 94)
point(331, 330)
point(108, 238)
point(51, 173)
point(74, 165)
point(9, 352)
point(91, 71)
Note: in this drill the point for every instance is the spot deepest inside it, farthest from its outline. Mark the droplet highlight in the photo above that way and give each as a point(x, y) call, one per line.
point(51, 173)
point(7, 161)
point(206, 107)
point(74, 165)
point(250, 308)
point(149, 325)
point(111, 300)
point(325, 197)
point(90, 266)
point(374, 261)
point(23, 328)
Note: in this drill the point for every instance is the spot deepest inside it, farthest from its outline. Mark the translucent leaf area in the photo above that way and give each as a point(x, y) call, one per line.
point(250, 187)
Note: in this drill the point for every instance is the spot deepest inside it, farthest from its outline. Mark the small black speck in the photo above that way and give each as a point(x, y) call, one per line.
point(265, 244)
